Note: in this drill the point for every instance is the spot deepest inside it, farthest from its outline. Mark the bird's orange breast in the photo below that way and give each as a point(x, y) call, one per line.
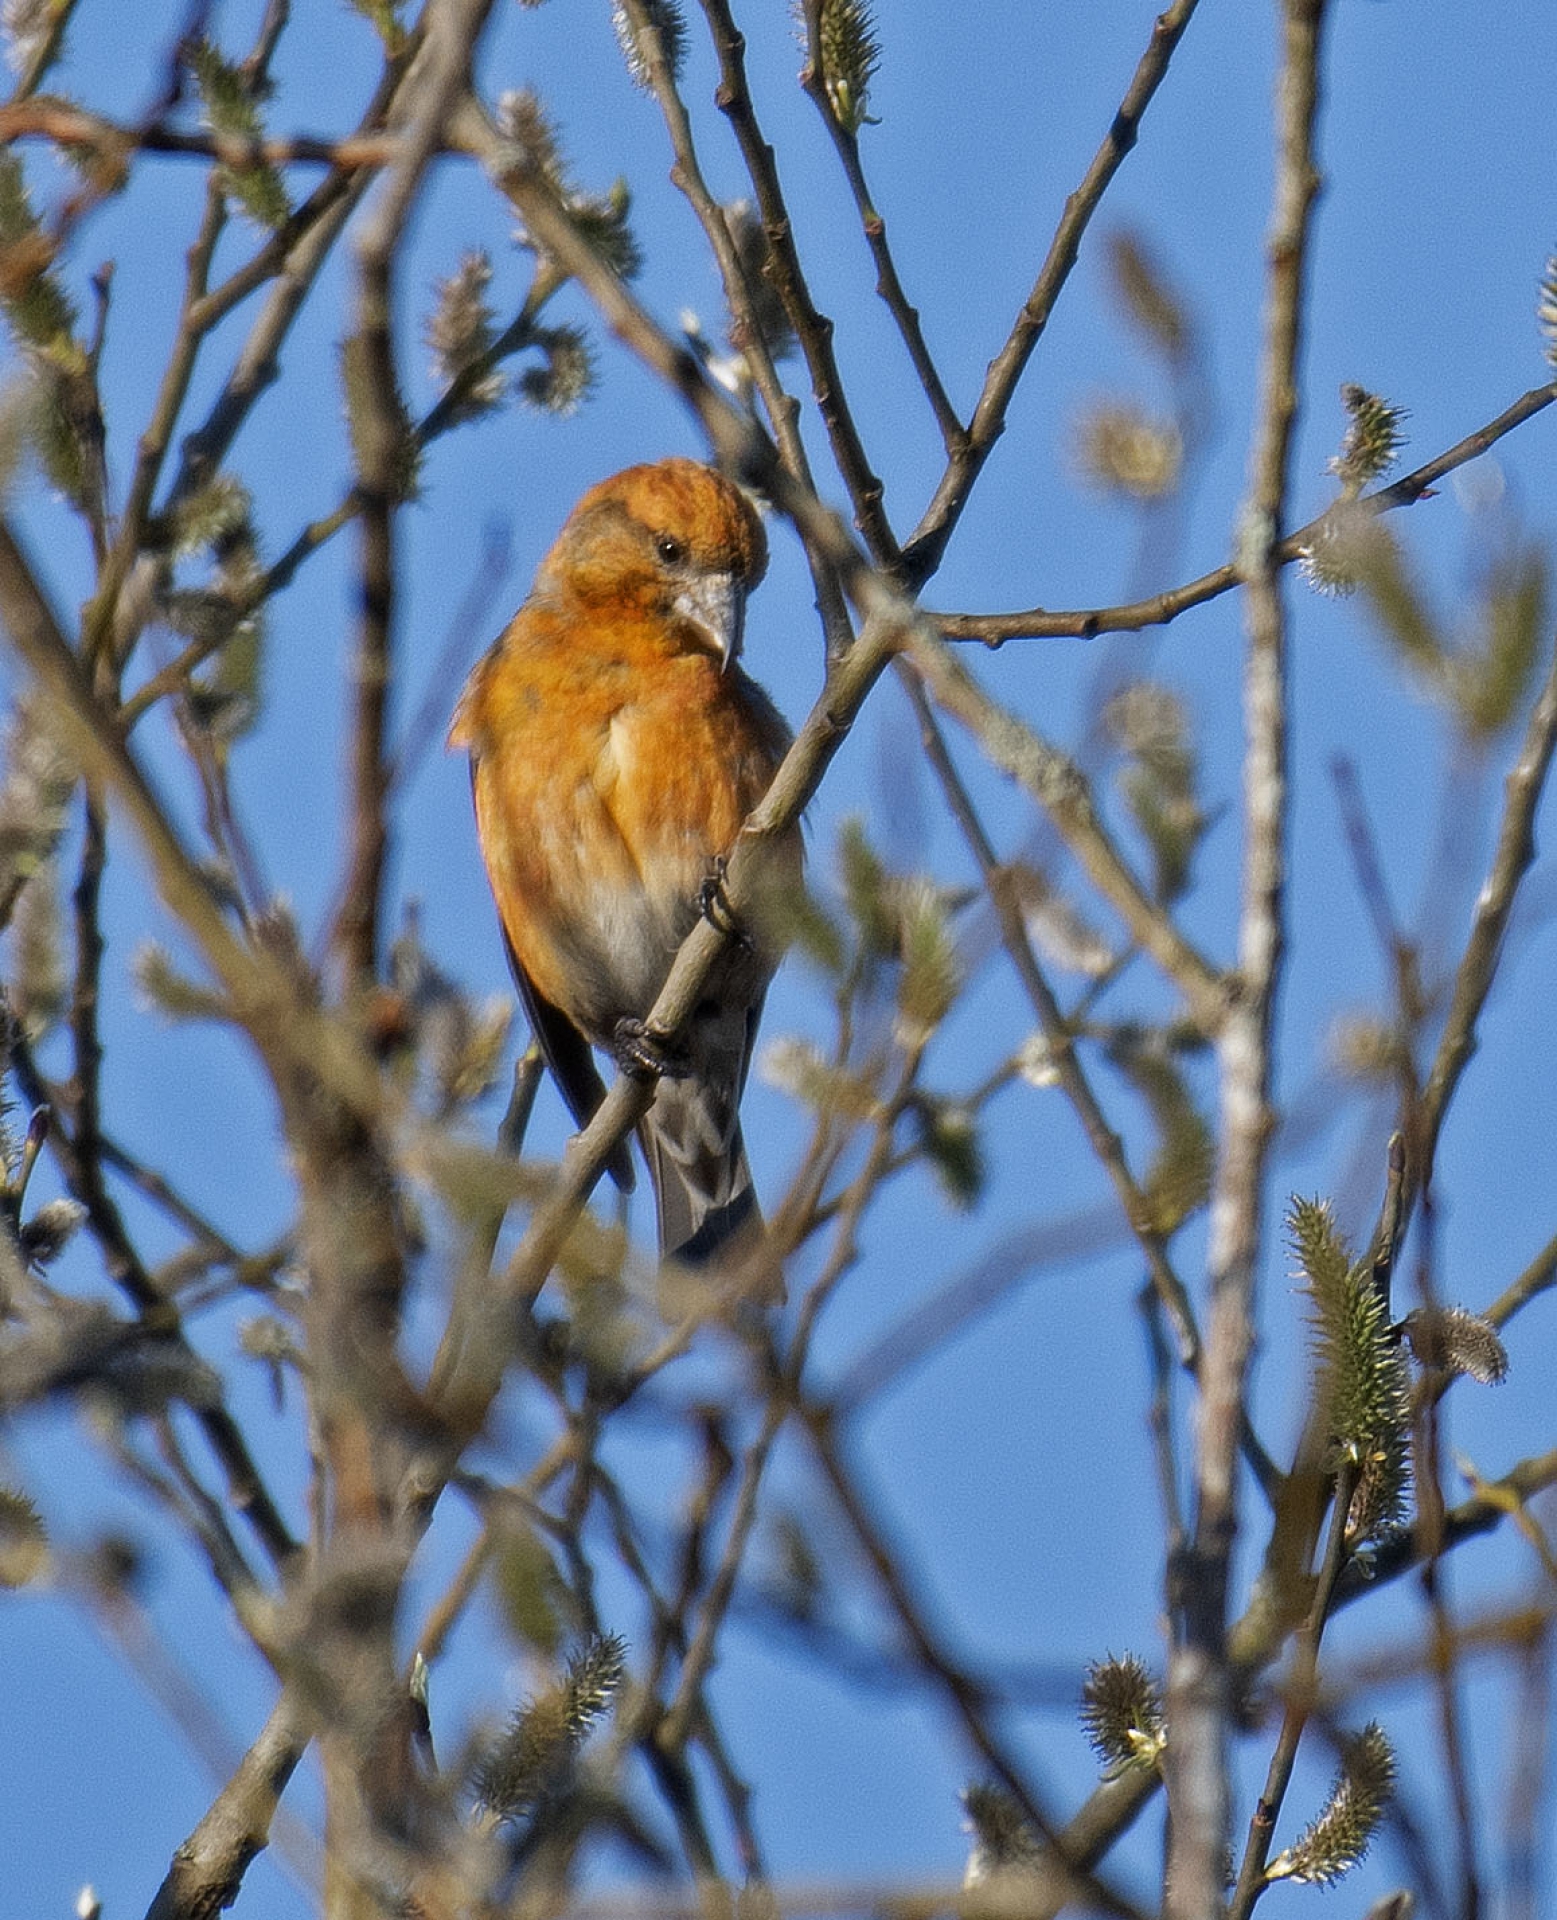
point(611, 768)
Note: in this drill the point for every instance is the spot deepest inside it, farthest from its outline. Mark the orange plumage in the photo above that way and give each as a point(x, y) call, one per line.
point(615, 749)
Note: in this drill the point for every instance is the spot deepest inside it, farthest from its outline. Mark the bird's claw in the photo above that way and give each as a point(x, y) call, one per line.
point(714, 904)
point(644, 1056)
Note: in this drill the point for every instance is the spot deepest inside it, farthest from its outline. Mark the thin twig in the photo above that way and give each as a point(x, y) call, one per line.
point(863, 1511)
point(1511, 859)
point(263, 993)
point(813, 329)
point(671, 1627)
point(1300, 1690)
point(924, 549)
point(1111, 1808)
point(295, 254)
point(666, 1761)
point(1039, 623)
point(159, 1190)
point(1402, 1553)
point(68, 125)
point(81, 1169)
point(746, 328)
point(1529, 1778)
point(154, 440)
point(1537, 1277)
point(1160, 1419)
point(905, 316)
point(785, 1384)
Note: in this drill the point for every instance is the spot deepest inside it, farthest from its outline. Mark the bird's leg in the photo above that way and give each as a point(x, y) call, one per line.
point(714, 904)
point(639, 1053)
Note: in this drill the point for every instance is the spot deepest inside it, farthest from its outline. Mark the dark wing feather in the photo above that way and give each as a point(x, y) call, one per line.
point(571, 1061)
point(567, 1052)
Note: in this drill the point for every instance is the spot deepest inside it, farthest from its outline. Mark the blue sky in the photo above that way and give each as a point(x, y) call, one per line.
point(1015, 1467)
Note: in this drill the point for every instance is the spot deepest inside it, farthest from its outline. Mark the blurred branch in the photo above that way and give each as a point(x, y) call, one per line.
point(862, 1511)
point(380, 435)
point(294, 256)
point(1511, 860)
point(663, 1750)
point(1529, 1780)
point(153, 443)
point(263, 995)
point(209, 1239)
point(1047, 1246)
point(1101, 1137)
point(785, 1376)
point(44, 50)
point(1115, 1805)
point(62, 122)
point(1402, 1553)
point(1054, 781)
point(1492, 1633)
point(1537, 1277)
point(670, 1627)
point(1299, 1691)
point(81, 1151)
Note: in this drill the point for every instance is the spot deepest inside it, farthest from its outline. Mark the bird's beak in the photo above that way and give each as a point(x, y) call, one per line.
point(715, 604)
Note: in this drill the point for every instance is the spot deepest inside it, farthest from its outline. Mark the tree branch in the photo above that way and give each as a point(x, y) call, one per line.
point(926, 546)
point(1055, 782)
point(1038, 623)
point(1199, 1695)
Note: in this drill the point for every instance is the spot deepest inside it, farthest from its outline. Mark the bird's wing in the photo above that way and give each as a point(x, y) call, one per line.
point(753, 1021)
point(571, 1061)
point(567, 1053)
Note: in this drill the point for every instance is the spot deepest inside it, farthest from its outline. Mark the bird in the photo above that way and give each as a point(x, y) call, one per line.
point(616, 746)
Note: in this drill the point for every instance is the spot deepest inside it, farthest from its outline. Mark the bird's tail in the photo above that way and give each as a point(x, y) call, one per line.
point(703, 1190)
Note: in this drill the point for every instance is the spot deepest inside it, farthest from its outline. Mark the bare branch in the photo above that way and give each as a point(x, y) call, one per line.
point(208, 1868)
point(1199, 1681)
point(813, 329)
point(1038, 623)
point(888, 286)
point(925, 547)
point(1511, 859)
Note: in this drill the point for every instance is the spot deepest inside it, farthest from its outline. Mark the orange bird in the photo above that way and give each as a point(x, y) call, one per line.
point(615, 749)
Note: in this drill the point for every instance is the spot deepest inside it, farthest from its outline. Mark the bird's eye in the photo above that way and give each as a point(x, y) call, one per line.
point(670, 551)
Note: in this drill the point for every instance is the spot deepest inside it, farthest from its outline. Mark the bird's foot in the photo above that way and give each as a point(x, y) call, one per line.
point(639, 1053)
point(714, 904)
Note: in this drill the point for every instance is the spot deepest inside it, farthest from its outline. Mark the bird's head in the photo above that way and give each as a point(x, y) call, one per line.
point(674, 540)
